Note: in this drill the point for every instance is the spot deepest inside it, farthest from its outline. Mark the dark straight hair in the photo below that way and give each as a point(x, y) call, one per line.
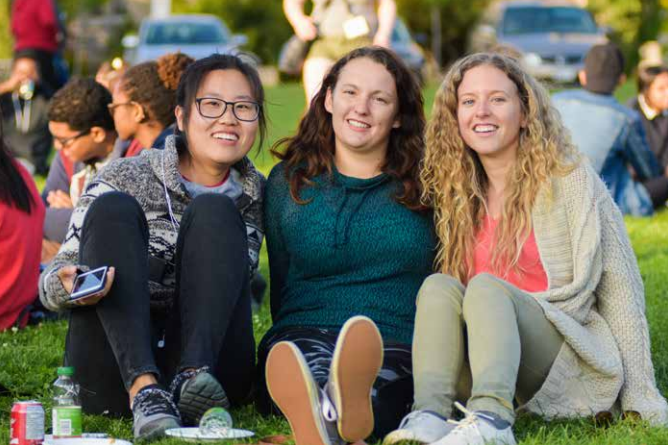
point(13, 190)
point(196, 72)
point(647, 75)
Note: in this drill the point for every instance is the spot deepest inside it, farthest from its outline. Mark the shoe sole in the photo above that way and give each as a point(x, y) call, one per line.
point(198, 395)
point(157, 431)
point(292, 388)
point(357, 359)
point(401, 436)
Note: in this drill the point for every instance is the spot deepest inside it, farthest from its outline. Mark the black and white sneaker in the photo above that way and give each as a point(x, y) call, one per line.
point(196, 391)
point(153, 413)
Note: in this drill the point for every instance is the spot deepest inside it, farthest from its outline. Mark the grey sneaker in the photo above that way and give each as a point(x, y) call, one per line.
point(357, 359)
point(420, 426)
point(479, 428)
point(196, 391)
point(153, 413)
point(307, 408)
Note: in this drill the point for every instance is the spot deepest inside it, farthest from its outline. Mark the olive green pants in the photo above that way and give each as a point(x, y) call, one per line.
point(488, 342)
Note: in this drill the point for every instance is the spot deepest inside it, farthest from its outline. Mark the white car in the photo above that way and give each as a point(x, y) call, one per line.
point(197, 35)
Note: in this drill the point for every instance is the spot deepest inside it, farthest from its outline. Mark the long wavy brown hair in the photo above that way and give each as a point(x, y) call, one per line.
point(310, 152)
point(455, 183)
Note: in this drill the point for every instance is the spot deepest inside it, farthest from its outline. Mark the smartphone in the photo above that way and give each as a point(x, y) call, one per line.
point(89, 283)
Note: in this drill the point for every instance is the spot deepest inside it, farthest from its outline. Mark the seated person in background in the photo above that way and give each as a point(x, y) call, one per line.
point(21, 219)
point(109, 73)
point(24, 101)
point(611, 135)
point(84, 135)
point(144, 100)
point(652, 105)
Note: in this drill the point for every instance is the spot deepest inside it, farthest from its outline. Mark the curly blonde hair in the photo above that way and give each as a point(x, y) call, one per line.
point(455, 183)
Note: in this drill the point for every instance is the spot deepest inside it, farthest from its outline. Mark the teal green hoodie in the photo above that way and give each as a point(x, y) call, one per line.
point(351, 250)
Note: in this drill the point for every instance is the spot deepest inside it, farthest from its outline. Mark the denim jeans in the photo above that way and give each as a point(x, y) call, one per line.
point(506, 354)
point(210, 324)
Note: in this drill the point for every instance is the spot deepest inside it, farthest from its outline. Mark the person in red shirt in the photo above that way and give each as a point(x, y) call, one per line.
point(21, 220)
point(38, 33)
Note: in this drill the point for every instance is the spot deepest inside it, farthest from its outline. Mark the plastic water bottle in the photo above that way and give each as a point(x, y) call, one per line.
point(66, 412)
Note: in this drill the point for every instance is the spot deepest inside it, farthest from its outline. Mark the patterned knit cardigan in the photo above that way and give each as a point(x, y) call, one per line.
point(143, 177)
point(595, 299)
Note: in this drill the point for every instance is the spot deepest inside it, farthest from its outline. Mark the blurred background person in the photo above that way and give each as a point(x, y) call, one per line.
point(21, 219)
point(24, 101)
point(336, 27)
point(110, 72)
point(39, 34)
point(84, 135)
point(611, 135)
point(652, 105)
point(144, 100)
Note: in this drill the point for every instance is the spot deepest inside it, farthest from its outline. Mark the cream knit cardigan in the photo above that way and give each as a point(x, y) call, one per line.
point(596, 300)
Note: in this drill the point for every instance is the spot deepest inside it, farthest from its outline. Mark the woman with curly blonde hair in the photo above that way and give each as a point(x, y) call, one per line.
point(539, 305)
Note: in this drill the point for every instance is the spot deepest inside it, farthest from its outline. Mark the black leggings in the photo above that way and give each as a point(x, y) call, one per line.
point(392, 393)
point(120, 338)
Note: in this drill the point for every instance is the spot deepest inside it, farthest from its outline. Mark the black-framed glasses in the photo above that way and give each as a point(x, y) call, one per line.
point(213, 108)
point(112, 106)
point(66, 142)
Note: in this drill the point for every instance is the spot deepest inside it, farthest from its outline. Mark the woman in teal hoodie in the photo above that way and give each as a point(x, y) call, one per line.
point(349, 244)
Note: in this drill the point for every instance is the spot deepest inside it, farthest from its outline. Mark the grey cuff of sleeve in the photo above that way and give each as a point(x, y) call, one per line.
point(56, 297)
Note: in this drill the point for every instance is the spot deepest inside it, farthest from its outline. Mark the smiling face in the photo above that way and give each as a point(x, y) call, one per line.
point(489, 113)
point(657, 93)
point(219, 142)
point(364, 107)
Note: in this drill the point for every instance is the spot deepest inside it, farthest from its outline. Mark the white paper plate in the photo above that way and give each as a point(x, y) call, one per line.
point(48, 439)
point(194, 435)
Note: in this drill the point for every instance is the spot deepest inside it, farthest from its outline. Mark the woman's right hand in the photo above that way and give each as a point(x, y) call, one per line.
point(305, 28)
point(67, 275)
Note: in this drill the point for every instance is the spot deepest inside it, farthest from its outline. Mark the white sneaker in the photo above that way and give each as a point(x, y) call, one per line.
point(478, 428)
point(420, 426)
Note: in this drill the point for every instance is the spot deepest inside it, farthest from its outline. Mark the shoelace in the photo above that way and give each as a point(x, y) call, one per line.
point(154, 400)
point(328, 408)
point(182, 377)
point(470, 421)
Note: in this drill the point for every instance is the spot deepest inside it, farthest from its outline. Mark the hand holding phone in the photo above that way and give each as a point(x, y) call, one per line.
point(86, 288)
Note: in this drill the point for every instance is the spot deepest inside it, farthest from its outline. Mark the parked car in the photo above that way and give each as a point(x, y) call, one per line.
point(198, 35)
point(552, 37)
point(402, 43)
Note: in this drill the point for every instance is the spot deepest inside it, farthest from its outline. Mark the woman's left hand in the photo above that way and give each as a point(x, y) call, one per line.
point(93, 299)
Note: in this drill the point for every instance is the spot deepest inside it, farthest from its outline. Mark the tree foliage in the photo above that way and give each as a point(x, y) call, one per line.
point(457, 19)
point(261, 20)
point(6, 41)
point(633, 22)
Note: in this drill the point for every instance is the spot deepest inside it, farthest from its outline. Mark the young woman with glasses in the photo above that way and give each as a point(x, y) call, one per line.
point(180, 230)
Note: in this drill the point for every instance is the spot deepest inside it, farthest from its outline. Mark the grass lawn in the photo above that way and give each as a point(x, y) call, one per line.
point(28, 359)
